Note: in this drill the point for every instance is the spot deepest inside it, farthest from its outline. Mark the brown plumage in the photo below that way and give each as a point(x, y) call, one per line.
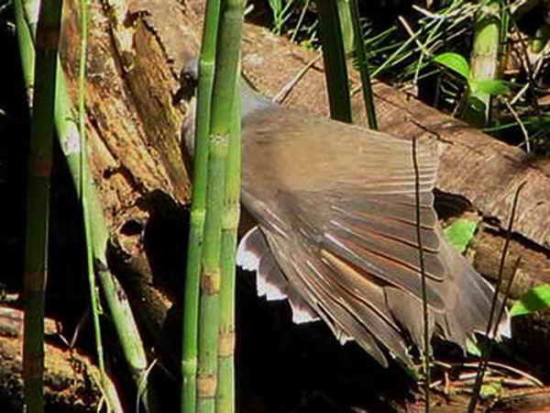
point(336, 212)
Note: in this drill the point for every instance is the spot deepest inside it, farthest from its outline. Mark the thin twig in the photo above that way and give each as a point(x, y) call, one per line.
point(413, 35)
point(519, 94)
point(501, 366)
point(483, 365)
point(426, 358)
point(524, 57)
point(300, 20)
point(521, 126)
point(427, 13)
point(286, 89)
point(502, 309)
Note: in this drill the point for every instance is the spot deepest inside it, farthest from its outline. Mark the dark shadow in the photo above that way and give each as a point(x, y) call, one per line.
point(284, 367)
point(165, 241)
point(449, 205)
point(67, 289)
point(14, 142)
point(281, 367)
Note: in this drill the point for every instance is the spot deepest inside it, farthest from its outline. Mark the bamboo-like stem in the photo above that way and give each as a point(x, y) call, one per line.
point(349, 34)
point(361, 56)
point(111, 395)
point(83, 179)
point(69, 138)
point(334, 59)
point(38, 203)
point(505, 18)
point(484, 61)
point(198, 209)
point(227, 58)
point(118, 305)
point(211, 277)
point(226, 346)
point(26, 47)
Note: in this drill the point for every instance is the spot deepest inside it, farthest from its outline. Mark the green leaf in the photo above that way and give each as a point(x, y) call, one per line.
point(475, 111)
point(491, 390)
point(473, 348)
point(460, 233)
point(489, 87)
point(541, 38)
point(455, 62)
point(536, 299)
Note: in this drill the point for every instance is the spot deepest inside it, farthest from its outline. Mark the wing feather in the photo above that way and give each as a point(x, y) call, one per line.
point(337, 205)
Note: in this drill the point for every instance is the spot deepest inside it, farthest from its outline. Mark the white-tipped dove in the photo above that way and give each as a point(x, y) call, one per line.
point(337, 236)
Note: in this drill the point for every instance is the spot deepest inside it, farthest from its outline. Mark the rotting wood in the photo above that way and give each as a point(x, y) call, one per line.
point(68, 380)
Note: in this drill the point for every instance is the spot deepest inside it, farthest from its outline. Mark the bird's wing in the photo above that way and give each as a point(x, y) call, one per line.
point(254, 254)
point(340, 217)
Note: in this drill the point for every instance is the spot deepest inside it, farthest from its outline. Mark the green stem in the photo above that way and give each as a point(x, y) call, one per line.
point(38, 203)
point(211, 276)
point(230, 224)
point(334, 59)
point(198, 209)
point(484, 61)
point(111, 395)
point(227, 58)
point(69, 139)
point(360, 53)
point(347, 28)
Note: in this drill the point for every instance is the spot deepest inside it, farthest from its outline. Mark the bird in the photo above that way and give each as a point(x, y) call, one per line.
point(336, 235)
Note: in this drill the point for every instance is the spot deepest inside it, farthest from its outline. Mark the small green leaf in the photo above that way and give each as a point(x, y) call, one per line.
point(455, 62)
point(460, 233)
point(475, 111)
point(473, 348)
point(490, 390)
point(541, 38)
point(489, 87)
point(536, 299)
